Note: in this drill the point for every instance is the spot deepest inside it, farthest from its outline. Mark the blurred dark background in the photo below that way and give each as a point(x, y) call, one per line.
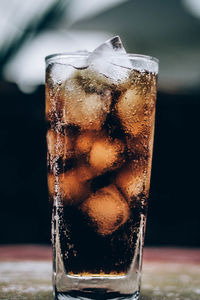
point(168, 30)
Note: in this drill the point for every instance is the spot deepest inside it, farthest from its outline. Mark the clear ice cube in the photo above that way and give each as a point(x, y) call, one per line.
point(111, 60)
point(88, 111)
point(60, 72)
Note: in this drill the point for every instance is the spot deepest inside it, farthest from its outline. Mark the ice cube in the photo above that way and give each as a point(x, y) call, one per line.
point(106, 209)
point(59, 145)
point(111, 60)
point(131, 180)
point(140, 147)
point(94, 82)
point(135, 106)
point(72, 188)
point(106, 154)
point(86, 110)
point(131, 111)
point(58, 73)
point(84, 142)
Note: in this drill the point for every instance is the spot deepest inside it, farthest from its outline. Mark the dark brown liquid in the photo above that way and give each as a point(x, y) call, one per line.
point(99, 169)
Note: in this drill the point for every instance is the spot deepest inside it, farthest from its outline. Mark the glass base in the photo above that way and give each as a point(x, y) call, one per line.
point(94, 294)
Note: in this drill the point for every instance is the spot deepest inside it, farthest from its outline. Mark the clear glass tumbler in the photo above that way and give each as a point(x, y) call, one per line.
point(100, 140)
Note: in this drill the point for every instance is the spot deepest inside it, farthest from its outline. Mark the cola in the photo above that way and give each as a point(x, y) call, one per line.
point(85, 160)
point(99, 140)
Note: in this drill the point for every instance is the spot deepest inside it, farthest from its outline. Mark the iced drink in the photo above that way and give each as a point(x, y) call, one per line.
point(100, 111)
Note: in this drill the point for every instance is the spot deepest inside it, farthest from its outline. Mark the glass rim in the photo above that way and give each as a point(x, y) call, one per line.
point(61, 55)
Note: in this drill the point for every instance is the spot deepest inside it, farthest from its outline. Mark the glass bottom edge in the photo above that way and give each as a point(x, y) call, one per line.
point(94, 294)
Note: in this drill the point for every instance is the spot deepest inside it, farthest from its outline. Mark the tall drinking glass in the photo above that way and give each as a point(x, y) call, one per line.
point(100, 140)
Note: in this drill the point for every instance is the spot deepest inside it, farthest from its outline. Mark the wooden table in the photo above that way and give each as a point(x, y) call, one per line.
point(168, 273)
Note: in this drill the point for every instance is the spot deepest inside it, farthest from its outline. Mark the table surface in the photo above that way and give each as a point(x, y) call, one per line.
point(168, 273)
